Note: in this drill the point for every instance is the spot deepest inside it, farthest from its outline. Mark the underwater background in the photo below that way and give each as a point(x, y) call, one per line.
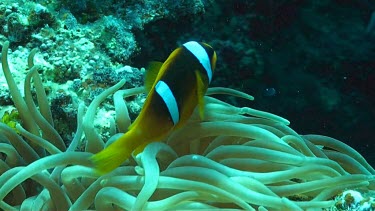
point(312, 62)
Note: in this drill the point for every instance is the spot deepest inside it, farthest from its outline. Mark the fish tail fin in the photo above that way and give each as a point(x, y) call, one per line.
point(115, 154)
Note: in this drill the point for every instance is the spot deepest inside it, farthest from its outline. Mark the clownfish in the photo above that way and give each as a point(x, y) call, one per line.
point(176, 87)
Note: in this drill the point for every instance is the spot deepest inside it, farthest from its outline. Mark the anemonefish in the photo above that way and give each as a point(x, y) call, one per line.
point(176, 87)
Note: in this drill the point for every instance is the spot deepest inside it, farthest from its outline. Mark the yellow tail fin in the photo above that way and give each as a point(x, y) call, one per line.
point(115, 154)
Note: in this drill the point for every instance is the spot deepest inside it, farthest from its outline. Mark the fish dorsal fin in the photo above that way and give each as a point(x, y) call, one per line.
point(152, 71)
point(200, 93)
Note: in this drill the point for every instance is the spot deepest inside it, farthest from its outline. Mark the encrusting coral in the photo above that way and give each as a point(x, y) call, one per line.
point(237, 158)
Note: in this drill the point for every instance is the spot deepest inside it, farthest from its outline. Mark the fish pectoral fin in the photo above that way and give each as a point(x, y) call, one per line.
point(201, 88)
point(152, 71)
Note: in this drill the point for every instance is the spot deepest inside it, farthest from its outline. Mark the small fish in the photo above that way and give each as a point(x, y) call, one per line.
point(176, 87)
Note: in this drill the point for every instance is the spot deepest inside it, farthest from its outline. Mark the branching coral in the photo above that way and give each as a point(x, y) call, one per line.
point(237, 158)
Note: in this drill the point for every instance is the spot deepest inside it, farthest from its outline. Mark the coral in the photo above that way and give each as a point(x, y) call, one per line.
point(10, 118)
point(237, 158)
point(16, 28)
point(20, 20)
point(87, 10)
point(40, 16)
point(119, 41)
point(354, 200)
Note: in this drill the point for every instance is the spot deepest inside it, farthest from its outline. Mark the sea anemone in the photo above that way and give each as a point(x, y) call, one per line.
point(236, 158)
